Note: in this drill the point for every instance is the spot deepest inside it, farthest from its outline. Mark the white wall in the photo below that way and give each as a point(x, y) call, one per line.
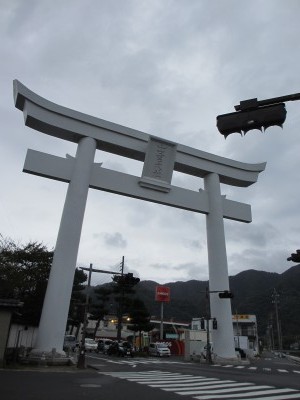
point(27, 337)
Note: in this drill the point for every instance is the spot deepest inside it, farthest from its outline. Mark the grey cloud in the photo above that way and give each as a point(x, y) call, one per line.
point(272, 260)
point(167, 68)
point(258, 234)
point(161, 266)
point(184, 272)
point(115, 240)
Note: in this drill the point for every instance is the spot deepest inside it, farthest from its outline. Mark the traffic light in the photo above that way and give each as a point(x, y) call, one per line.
point(214, 324)
point(117, 278)
point(202, 323)
point(131, 280)
point(126, 280)
point(226, 294)
point(250, 117)
point(295, 257)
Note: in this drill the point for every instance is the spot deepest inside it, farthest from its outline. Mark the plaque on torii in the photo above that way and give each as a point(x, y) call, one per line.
point(160, 157)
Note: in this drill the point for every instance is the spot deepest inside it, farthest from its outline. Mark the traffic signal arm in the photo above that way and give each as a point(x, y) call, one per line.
point(258, 103)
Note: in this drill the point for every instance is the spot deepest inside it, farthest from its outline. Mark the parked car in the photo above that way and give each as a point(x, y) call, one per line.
point(90, 344)
point(121, 349)
point(70, 343)
point(159, 349)
point(126, 349)
point(103, 345)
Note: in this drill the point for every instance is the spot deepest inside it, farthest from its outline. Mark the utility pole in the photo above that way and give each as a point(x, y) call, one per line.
point(120, 308)
point(223, 294)
point(123, 281)
point(81, 358)
point(237, 328)
point(275, 301)
point(161, 329)
point(208, 349)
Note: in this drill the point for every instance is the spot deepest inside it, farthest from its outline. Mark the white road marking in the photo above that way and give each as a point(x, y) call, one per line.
point(202, 388)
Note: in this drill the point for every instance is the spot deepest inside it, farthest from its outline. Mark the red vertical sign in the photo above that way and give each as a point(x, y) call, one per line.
point(162, 294)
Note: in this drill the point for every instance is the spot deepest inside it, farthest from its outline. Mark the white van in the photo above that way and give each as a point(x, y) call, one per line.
point(159, 350)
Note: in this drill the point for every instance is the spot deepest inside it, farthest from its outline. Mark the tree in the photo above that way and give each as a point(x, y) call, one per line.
point(140, 318)
point(77, 303)
point(100, 308)
point(123, 292)
point(24, 273)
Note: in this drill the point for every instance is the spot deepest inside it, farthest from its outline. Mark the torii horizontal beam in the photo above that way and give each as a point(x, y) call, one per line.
point(59, 168)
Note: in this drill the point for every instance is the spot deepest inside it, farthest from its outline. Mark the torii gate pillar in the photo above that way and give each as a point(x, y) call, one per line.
point(57, 299)
point(218, 269)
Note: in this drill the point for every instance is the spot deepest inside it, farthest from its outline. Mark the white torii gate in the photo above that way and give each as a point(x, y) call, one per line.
point(160, 158)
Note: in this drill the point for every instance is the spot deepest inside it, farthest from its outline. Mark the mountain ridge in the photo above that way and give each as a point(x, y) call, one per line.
point(252, 289)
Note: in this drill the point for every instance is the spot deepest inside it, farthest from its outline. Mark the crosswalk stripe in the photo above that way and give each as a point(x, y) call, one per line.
point(202, 385)
point(283, 370)
point(153, 380)
point(199, 388)
point(203, 388)
point(194, 382)
point(253, 394)
point(168, 382)
point(284, 397)
point(226, 390)
point(169, 378)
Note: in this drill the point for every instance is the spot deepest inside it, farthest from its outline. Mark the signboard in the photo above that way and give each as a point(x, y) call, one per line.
point(244, 318)
point(162, 293)
point(240, 316)
point(158, 165)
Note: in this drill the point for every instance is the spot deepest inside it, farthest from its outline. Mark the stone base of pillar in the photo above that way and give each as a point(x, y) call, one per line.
point(47, 358)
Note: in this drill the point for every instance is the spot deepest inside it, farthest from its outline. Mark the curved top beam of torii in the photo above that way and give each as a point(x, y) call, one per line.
point(64, 123)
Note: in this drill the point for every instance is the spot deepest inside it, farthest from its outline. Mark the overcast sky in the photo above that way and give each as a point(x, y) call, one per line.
point(167, 68)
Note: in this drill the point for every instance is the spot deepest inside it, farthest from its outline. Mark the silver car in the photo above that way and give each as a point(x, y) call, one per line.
point(159, 349)
point(90, 345)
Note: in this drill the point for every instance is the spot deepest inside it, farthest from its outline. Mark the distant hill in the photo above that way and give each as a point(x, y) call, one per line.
point(252, 295)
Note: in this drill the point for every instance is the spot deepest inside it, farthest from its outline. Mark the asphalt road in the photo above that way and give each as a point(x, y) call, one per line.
point(113, 378)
